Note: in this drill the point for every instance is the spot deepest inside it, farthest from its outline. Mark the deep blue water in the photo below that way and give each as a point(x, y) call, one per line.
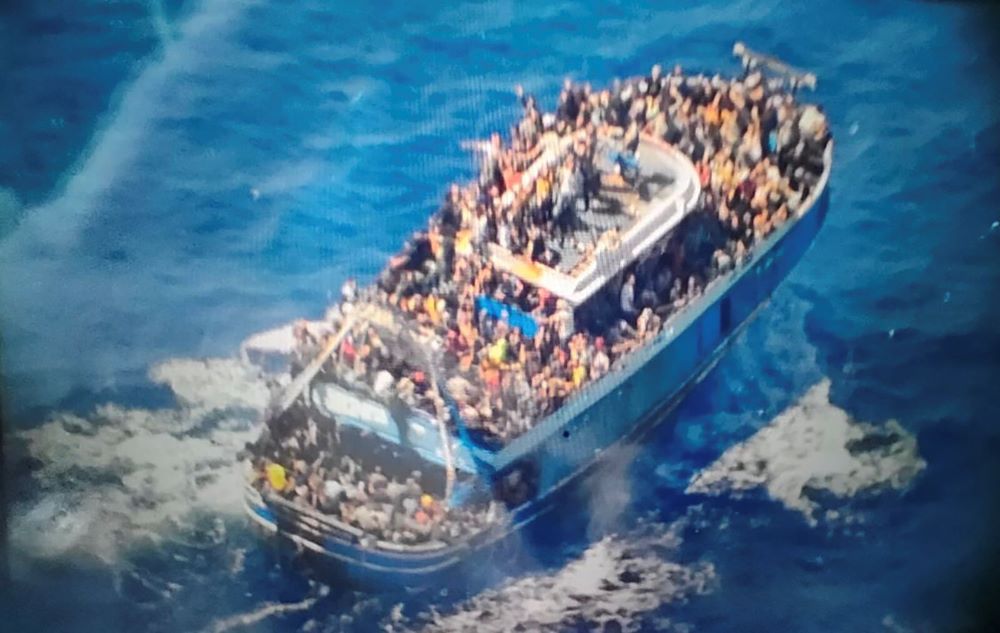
point(175, 176)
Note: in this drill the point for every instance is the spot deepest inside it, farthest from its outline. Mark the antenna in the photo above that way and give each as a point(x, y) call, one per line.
point(753, 60)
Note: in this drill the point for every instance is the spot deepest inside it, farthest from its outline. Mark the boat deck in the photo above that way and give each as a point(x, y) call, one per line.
point(623, 224)
point(617, 205)
point(492, 489)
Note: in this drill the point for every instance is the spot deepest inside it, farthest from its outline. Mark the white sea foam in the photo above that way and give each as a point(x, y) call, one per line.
point(290, 177)
point(212, 384)
point(267, 610)
point(10, 209)
point(618, 578)
point(119, 475)
point(609, 493)
point(279, 340)
point(815, 445)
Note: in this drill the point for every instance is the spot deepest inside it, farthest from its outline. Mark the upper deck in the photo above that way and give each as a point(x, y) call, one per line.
point(621, 224)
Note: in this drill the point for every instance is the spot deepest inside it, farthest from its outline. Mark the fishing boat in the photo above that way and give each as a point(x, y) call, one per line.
point(479, 486)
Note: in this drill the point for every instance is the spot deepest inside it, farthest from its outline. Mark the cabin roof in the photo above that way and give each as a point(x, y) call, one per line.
point(619, 228)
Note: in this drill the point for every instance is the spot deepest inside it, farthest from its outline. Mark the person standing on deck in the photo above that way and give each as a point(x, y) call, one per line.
point(570, 188)
point(627, 297)
point(563, 320)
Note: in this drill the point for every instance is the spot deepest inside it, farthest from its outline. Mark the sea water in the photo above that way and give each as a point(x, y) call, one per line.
point(176, 176)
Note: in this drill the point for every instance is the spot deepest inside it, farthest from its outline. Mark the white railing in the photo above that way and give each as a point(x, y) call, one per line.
point(607, 261)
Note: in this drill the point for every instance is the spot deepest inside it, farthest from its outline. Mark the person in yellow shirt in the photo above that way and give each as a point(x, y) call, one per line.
point(463, 242)
point(542, 187)
point(276, 477)
point(431, 308)
point(440, 306)
point(498, 352)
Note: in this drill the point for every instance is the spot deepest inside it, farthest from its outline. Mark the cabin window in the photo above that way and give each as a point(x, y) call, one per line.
point(725, 316)
point(518, 485)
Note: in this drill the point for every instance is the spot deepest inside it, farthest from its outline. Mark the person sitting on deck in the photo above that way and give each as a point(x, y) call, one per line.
point(601, 363)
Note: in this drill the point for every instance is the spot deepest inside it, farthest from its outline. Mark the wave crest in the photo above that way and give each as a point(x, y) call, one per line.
point(616, 581)
point(104, 481)
point(815, 446)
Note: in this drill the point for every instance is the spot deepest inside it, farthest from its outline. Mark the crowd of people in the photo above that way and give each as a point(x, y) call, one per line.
point(758, 155)
point(370, 486)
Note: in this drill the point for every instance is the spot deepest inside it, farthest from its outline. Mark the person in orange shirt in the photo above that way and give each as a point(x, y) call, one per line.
point(466, 329)
point(491, 376)
point(712, 114)
point(780, 215)
point(463, 242)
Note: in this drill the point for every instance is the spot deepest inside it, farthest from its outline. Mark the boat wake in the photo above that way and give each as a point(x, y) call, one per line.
point(119, 480)
point(267, 610)
point(103, 483)
point(618, 583)
point(815, 450)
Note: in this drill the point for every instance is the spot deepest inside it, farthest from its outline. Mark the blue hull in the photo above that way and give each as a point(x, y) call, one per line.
point(563, 447)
